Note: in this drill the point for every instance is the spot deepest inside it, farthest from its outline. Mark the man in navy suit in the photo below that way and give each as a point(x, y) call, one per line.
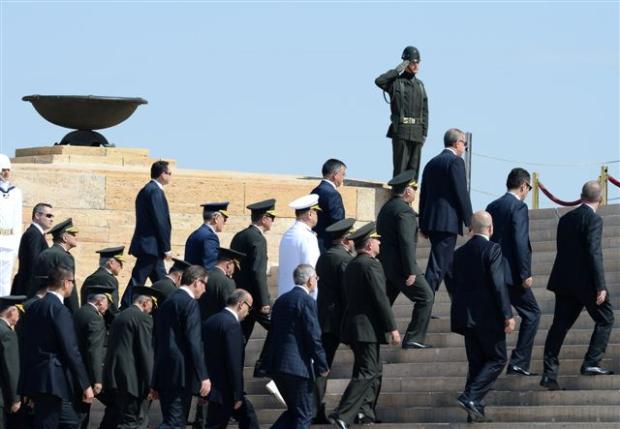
point(54, 377)
point(444, 205)
point(330, 200)
point(511, 231)
point(481, 312)
point(201, 245)
point(151, 238)
point(223, 341)
point(578, 280)
point(296, 355)
point(179, 369)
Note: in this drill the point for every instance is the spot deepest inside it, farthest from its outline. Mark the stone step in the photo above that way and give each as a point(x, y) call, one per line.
point(603, 211)
point(552, 222)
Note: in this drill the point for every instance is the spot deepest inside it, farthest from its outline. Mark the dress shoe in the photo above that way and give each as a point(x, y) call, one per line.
point(335, 420)
point(415, 345)
point(474, 413)
point(549, 383)
point(595, 370)
point(363, 419)
point(517, 370)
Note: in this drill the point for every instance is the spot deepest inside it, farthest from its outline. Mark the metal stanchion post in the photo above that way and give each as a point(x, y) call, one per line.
point(535, 191)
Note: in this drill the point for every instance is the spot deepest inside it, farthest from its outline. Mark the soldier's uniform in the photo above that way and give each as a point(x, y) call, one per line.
point(409, 118)
point(104, 277)
point(166, 286)
point(219, 285)
point(9, 363)
point(10, 227)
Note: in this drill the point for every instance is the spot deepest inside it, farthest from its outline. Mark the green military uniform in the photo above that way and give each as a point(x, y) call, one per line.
point(51, 258)
point(103, 277)
point(219, 288)
point(409, 119)
point(368, 318)
point(9, 371)
point(165, 286)
point(397, 224)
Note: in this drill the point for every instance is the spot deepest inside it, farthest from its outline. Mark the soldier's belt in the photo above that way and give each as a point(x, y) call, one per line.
point(6, 231)
point(410, 121)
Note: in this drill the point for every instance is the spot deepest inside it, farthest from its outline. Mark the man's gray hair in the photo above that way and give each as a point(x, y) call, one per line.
point(451, 136)
point(591, 191)
point(103, 261)
point(140, 299)
point(94, 297)
point(237, 296)
point(302, 274)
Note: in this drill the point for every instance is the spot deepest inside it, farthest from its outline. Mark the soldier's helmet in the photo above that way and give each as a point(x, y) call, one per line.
point(411, 54)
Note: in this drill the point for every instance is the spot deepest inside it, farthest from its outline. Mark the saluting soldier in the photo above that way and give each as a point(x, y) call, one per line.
point(397, 223)
point(90, 330)
point(368, 319)
point(171, 282)
point(409, 107)
point(129, 363)
point(221, 283)
point(331, 301)
point(10, 401)
point(64, 236)
point(201, 246)
point(110, 265)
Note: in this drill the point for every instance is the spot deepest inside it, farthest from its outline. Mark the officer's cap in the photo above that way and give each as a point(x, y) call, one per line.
point(363, 233)
point(5, 162)
point(224, 254)
point(100, 290)
point(412, 54)
point(155, 294)
point(220, 207)
point(306, 202)
point(406, 178)
point(341, 227)
point(11, 300)
point(113, 252)
point(62, 227)
point(265, 206)
point(179, 265)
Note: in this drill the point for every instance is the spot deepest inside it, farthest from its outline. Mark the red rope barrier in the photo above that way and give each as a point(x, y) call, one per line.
point(614, 180)
point(557, 200)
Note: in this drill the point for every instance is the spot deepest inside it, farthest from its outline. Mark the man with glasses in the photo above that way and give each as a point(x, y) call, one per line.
point(150, 243)
point(511, 229)
point(201, 246)
point(10, 224)
point(31, 245)
point(444, 205)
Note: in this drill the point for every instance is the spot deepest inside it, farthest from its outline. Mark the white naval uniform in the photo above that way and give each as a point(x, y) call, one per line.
point(10, 233)
point(298, 246)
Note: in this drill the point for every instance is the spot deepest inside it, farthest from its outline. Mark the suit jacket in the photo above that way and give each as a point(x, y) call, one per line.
point(223, 341)
point(31, 245)
point(219, 288)
point(101, 277)
point(9, 366)
point(444, 202)
point(511, 230)
point(578, 265)
point(252, 275)
point(129, 359)
point(51, 258)
point(179, 353)
point(480, 298)
point(368, 316)
point(165, 286)
point(296, 337)
point(331, 300)
point(201, 247)
point(332, 210)
point(50, 352)
point(91, 334)
point(152, 233)
point(397, 224)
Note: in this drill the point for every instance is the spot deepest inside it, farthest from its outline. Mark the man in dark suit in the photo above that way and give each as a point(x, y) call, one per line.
point(252, 273)
point(512, 232)
point(90, 331)
point(201, 245)
point(171, 282)
point(179, 369)
point(64, 236)
point(56, 378)
point(296, 355)
point(31, 245)
point(10, 401)
point(220, 284)
point(397, 224)
point(444, 205)
point(128, 365)
point(578, 280)
point(331, 302)
point(330, 200)
point(368, 319)
point(150, 243)
point(481, 312)
point(223, 341)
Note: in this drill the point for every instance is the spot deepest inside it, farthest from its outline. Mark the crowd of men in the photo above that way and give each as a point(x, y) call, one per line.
point(185, 335)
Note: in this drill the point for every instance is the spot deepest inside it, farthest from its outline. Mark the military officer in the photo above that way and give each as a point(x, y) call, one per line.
point(220, 284)
point(398, 227)
point(299, 244)
point(10, 224)
point(367, 321)
point(170, 283)
point(201, 246)
point(110, 265)
point(10, 401)
point(64, 235)
point(409, 106)
point(331, 301)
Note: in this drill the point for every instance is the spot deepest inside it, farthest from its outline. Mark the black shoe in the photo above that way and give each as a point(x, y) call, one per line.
point(595, 370)
point(415, 345)
point(549, 383)
point(517, 370)
point(434, 316)
point(363, 419)
point(475, 414)
point(335, 420)
point(321, 419)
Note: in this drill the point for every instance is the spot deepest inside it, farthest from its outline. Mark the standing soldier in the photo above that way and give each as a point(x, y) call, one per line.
point(330, 200)
point(201, 246)
point(110, 266)
point(10, 224)
point(397, 224)
point(331, 301)
point(367, 321)
point(171, 282)
point(10, 402)
point(90, 330)
point(221, 283)
point(409, 106)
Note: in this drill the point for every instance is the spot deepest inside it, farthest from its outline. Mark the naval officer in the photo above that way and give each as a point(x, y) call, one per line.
point(10, 224)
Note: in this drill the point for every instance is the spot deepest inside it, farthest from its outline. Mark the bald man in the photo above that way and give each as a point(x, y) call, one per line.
point(481, 313)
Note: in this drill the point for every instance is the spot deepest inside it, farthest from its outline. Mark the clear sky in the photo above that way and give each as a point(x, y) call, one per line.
point(280, 87)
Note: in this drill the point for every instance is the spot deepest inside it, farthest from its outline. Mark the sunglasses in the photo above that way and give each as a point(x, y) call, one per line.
point(47, 215)
point(249, 306)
